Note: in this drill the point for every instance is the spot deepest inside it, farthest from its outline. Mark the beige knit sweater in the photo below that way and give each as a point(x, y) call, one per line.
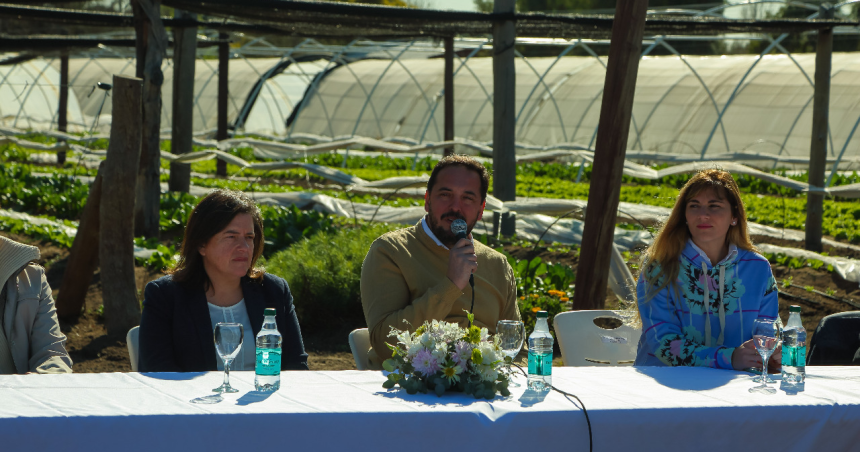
point(404, 278)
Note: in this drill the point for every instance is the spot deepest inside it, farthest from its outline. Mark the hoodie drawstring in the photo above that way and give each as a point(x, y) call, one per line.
point(722, 308)
point(721, 339)
point(741, 311)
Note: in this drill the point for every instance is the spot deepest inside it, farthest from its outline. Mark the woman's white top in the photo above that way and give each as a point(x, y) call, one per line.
point(247, 358)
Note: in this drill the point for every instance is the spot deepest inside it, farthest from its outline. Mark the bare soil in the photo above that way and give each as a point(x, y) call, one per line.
point(93, 350)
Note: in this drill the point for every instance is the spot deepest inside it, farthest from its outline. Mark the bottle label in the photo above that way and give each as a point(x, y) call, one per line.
point(789, 355)
point(268, 361)
point(800, 356)
point(540, 363)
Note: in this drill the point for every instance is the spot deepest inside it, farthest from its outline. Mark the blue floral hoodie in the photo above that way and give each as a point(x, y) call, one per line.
point(708, 312)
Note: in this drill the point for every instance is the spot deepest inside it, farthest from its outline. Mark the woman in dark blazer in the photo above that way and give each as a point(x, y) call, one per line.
point(216, 274)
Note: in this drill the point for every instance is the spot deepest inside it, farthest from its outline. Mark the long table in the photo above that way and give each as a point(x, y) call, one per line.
point(630, 409)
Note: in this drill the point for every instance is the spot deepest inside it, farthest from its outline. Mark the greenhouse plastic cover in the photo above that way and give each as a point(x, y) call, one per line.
point(29, 92)
point(765, 104)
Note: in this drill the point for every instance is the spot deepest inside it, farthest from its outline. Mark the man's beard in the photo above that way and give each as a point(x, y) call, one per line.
point(445, 235)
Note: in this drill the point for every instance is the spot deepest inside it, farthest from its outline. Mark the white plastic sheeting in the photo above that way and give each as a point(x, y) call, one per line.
point(848, 269)
point(272, 107)
point(277, 150)
point(70, 231)
point(692, 107)
point(30, 96)
point(29, 92)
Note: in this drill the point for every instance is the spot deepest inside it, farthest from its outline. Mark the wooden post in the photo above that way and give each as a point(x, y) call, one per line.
point(184, 56)
point(449, 93)
point(62, 113)
point(116, 243)
point(152, 43)
point(223, 93)
point(820, 118)
point(83, 257)
point(610, 149)
point(504, 111)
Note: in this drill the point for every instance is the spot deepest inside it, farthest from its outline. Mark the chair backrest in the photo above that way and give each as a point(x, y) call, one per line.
point(583, 343)
point(359, 343)
point(836, 341)
point(132, 342)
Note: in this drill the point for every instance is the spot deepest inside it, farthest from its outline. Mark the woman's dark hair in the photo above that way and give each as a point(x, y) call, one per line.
point(211, 216)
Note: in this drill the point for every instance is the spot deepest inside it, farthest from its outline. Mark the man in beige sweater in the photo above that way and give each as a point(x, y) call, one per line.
point(422, 272)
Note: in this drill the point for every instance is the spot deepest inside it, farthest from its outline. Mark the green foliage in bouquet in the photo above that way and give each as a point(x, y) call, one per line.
point(442, 356)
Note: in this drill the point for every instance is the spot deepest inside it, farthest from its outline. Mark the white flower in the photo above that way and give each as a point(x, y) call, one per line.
point(487, 373)
point(488, 352)
point(441, 352)
point(413, 350)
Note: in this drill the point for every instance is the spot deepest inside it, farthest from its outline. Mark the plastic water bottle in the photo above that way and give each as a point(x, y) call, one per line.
point(794, 348)
point(540, 355)
point(268, 368)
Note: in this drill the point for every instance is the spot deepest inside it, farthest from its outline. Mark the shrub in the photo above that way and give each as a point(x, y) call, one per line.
point(324, 273)
point(284, 226)
point(551, 301)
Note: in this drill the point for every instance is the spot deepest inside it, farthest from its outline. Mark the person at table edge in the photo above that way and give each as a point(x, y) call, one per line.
point(422, 272)
point(703, 283)
point(216, 280)
point(30, 336)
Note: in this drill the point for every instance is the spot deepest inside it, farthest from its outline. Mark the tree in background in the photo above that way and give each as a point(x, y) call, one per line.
point(806, 42)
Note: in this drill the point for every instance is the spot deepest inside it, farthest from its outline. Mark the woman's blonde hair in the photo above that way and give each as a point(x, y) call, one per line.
point(660, 262)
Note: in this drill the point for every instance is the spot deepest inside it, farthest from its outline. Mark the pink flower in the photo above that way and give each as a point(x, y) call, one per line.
point(425, 363)
point(462, 353)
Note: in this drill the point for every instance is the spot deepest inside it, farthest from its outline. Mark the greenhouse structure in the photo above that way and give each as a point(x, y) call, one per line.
point(686, 108)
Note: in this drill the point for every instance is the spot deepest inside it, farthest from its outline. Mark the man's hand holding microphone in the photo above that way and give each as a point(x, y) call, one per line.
point(462, 260)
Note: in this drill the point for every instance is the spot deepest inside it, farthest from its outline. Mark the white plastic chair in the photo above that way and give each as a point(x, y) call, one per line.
point(132, 341)
point(359, 343)
point(583, 343)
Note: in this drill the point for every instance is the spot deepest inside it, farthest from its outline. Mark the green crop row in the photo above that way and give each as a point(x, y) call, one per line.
point(47, 233)
point(795, 262)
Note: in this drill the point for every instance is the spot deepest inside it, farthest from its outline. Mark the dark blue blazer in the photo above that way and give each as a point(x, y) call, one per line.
point(176, 330)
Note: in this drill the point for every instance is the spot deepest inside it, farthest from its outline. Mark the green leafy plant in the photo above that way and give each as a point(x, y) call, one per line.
point(324, 273)
point(284, 226)
point(552, 301)
point(42, 232)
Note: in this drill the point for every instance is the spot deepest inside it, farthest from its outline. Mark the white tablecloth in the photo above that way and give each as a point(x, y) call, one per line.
point(631, 409)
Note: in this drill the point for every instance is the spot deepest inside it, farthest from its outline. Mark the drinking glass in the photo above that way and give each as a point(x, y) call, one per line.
point(765, 338)
point(228, 343)
point(511, 334)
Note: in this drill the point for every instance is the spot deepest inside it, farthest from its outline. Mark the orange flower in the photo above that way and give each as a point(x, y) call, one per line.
point(564, 299)
point(536, 310)
point(534, 295)
point(522, 298)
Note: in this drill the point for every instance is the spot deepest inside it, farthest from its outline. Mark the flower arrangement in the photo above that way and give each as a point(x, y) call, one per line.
point(441, 356)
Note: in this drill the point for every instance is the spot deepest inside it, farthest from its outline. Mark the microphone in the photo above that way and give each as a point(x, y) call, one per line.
point(459, 228)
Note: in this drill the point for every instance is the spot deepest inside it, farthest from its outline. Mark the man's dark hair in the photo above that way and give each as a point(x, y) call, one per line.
point(465, 161)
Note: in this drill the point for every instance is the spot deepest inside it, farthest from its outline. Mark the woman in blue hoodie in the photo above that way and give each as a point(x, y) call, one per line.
point(703, 283)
